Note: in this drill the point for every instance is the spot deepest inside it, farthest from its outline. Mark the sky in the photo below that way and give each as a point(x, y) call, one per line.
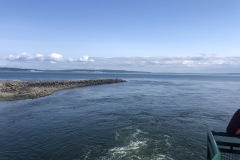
point(149, 35)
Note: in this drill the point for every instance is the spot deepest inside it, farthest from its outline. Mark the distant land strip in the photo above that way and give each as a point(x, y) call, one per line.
point(6, 69)
point(16, 90)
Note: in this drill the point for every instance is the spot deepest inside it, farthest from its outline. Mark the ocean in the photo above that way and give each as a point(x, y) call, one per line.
point(153, 116)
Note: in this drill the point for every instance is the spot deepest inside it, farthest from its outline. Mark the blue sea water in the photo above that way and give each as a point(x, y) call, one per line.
point(150, 117)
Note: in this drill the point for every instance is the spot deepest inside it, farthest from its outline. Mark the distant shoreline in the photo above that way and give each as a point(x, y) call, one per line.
point(6, 69)
point(15, 90)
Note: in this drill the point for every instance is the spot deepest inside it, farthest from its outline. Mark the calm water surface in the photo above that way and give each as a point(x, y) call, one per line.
point(151, 117)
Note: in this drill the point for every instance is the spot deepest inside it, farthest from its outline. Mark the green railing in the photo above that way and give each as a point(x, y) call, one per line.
point(220, 146)
point(213, 152)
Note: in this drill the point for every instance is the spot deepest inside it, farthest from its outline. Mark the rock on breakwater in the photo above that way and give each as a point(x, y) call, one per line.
point(15, 90)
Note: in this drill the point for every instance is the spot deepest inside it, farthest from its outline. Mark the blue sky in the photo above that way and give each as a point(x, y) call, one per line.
point(117, 28)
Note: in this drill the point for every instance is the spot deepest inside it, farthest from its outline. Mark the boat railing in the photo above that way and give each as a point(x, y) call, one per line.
point(221, 146)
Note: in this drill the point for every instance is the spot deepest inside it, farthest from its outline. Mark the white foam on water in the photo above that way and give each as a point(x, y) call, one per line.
point(161, 157)
point(130, 147)
point(128, 127)
point(86, 156)
point(138, 131)
point(167, 136)
point(135, 157)
point(117, 136)
point(168, 144)
point(135, 146)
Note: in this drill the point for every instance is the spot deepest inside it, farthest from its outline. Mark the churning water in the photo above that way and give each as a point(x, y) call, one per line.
point(150, 117)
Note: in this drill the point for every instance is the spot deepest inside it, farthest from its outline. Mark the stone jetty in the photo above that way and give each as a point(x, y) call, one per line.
point(16, 90)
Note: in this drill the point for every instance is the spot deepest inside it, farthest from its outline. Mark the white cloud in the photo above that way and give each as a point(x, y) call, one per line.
point(39, 57)
point(189, 63)
point(70, 59)
point(12, 57)
point(25, 56)
point(22, 56)
point(55, 57)
point(155, 62)
point(85, 59)
point(200, 63)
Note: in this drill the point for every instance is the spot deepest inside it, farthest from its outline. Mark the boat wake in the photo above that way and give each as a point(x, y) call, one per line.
point(136, 144)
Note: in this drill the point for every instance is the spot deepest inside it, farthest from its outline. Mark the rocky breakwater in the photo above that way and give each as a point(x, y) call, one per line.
point(15, 90)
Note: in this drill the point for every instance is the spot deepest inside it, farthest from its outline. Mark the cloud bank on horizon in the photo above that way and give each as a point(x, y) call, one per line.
point(53, 57)
point(199, 63)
